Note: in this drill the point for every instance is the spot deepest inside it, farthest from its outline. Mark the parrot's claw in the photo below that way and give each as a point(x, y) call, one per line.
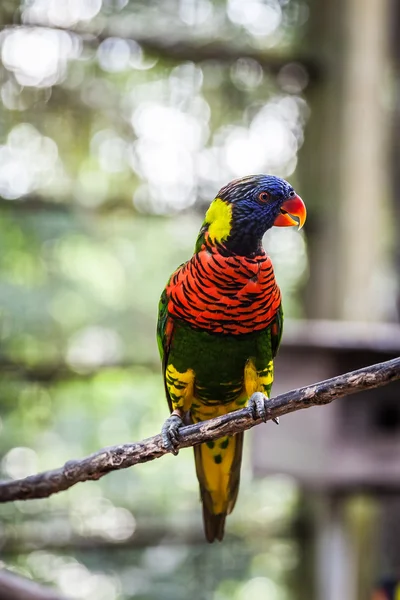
point(256, 405)
point(170, 433)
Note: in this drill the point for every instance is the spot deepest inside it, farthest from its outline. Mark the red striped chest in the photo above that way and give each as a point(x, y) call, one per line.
point(225, 293)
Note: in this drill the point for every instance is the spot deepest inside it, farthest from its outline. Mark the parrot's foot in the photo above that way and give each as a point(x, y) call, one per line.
point(256, 405)
point(257, 408)
point(170, 433)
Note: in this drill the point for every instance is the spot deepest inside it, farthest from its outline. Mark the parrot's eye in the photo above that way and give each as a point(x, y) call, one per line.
point(263, 197)
point(292, 193)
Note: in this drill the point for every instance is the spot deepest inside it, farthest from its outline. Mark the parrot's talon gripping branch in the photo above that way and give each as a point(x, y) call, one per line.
point(170, 433)
point(256, 406)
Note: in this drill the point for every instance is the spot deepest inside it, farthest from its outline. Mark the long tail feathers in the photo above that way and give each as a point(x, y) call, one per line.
point(214, 525)
point(218, 472)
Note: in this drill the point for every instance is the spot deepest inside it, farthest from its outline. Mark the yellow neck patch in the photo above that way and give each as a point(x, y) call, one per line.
point(219, 217)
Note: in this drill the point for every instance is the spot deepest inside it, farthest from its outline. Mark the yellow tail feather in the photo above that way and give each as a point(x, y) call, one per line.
point(218, 471)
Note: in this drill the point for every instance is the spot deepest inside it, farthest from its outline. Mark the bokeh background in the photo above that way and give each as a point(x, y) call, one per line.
point(120, 120)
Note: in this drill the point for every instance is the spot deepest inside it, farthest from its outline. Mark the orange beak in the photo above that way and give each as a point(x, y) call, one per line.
point(293, 212)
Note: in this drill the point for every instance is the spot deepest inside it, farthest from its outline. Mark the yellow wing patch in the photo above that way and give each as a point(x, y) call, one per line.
point(219, 217)
point(258, 381)
point(180, 387)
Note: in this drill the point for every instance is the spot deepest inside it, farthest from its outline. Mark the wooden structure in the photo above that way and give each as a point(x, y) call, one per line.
point(343, 166)
point(338, 451)
point(347, 179)
point(351, 444)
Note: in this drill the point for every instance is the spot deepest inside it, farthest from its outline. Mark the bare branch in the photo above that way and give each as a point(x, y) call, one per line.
point(113, 458)
point(185, 48)
point(14, 587)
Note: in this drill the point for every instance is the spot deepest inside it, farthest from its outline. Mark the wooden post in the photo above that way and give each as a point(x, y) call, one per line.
point(395, 136)
point(343, 165)
point(364, 173)
point(345, 181)
point(388, 567)
point(319, 157)
point(335, 557)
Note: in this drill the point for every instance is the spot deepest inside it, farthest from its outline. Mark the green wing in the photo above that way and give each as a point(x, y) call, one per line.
point(164, 335)
point(165, 324)
point(201, 237)
point(162, 339)
point(265, 362)
point(276, 331)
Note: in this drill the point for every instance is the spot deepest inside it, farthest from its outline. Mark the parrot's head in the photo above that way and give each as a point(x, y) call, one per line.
point(246, 208)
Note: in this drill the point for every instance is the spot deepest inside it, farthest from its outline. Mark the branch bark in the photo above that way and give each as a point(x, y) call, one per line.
point(123, 456)
point(13, 587)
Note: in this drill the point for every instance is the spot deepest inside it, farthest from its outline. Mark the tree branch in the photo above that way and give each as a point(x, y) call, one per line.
point(113, 458)
point(186, 48)
point(13, 587)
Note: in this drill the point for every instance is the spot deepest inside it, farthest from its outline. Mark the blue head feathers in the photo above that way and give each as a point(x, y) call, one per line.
point(256, 205)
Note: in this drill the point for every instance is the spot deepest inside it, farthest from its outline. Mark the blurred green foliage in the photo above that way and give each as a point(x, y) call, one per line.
point(109, 153)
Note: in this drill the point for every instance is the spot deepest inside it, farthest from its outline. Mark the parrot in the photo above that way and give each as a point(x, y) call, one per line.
point(219, 328)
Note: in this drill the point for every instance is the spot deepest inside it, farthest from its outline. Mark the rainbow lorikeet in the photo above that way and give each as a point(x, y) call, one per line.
point(219, 328)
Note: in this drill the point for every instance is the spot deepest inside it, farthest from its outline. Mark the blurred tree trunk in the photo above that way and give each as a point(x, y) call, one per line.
point(343, 165)
point(345, 181)
point(395, 135)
